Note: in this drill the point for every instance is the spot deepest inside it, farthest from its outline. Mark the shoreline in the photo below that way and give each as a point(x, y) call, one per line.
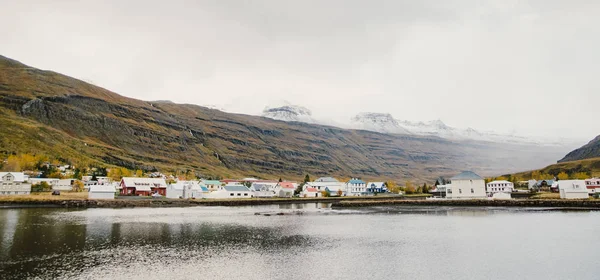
point(337, 202)
point(27, 202)
point(589, 204)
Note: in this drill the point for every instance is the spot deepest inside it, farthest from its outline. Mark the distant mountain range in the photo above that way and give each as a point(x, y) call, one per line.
point(386, 123)
point(65, 118)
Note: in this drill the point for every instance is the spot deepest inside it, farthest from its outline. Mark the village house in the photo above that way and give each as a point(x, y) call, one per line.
point(285, 189)
point(14, 183)
point(571, 189)
point(327, 184)
point(531, 184)
point(50, 181)
point(63, 185)
point(102, 192)
point(212, 185)
point(185, 189)
point(310, 192)
point(232, 191)
point(143, 186)
point(593, 185)
point(466, 185)
point(356, 187)
point(102, 180)
point(263, 190)
point(376, 187)
point(502, 186)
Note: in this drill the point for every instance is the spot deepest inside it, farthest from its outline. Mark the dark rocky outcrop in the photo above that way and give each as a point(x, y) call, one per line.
point(589, 150)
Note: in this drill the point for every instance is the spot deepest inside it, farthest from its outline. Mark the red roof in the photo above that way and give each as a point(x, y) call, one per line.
point(311, 189)
point(287, 185)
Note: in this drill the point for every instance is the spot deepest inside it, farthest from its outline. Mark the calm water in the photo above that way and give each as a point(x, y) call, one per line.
point(310, 242)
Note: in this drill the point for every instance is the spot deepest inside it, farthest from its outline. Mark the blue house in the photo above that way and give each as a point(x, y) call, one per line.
point(376, 187)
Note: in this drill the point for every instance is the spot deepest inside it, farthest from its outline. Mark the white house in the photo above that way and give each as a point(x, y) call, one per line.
point(466, 185)
point(531, 184)
point(212, 185)
point(356, 187)
point(14, 183)
point(310, 192)
point(184, 189)
point(285, 189)
point(263, 190)
point(102, 192)
point(102, 180)
point(500, 186)
point(50, 181)
point(333, 186)
point(571, 189)
point(231, 191)
point(63, 185)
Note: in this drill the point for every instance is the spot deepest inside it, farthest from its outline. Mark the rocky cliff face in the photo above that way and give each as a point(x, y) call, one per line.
point(590, 150)
point(46, 112)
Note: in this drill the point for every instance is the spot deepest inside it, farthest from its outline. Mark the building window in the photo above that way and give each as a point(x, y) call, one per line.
point(239, 194)
point(245, 194)
point(231, 194)
point(472, 191)
point(450, 191)
point(459, 190)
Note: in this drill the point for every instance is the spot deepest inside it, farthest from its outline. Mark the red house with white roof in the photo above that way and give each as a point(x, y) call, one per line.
point(143, 186)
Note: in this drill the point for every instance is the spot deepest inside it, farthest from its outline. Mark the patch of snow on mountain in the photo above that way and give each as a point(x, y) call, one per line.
point(383, 123)
point(289, 113)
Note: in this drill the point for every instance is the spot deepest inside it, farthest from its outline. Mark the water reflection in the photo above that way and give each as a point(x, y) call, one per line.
point(291, 241)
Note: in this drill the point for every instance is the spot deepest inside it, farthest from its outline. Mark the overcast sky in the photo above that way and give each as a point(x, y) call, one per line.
point(530, 67)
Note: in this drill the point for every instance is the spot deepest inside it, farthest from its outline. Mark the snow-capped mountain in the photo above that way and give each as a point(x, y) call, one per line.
point(289, 113)
point(378, 122)
point(385, 123)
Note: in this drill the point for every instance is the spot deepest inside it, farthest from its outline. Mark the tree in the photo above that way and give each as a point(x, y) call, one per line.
point(580, 176)
point(94, 178)
point(536, 175)
point(280, 180)
point(562, 176)
point(77, 186)
point(425, 188)
point(298, 189)
point(409, 188)
point(501, 178)
point(12, 164)
point(339, 192)
point(392, 187)
point(41, 187)
point(77, 174)
point(306, 178)
point(324, 193)
point(139, 173)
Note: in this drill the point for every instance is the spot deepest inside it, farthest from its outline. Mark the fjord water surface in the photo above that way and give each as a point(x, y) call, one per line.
point(300, 241)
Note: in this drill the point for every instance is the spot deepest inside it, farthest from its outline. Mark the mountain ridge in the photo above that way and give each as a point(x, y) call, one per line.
point(589, 150)
point(44, 111)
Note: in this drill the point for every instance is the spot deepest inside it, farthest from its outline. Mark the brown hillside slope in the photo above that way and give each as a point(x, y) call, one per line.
point(590, 166)
point(47, 112)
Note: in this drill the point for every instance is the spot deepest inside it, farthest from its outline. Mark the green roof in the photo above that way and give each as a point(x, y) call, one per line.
point(211, 182)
